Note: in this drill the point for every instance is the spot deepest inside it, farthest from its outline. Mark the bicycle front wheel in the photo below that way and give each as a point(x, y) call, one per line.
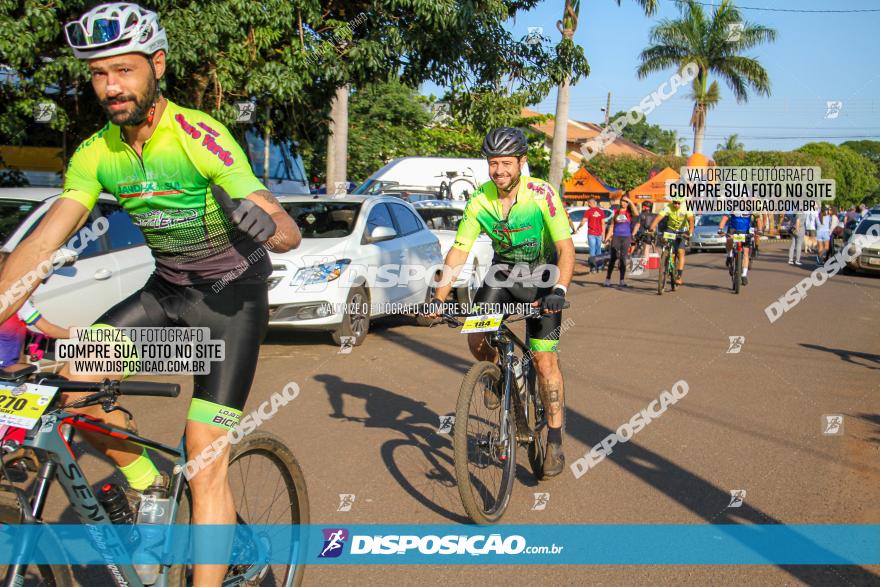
point(737, 272)
point(34, 575)
point(661, 273)
point(484, 462)
point(268, 488)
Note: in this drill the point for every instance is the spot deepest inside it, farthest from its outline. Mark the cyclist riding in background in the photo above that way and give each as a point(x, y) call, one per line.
point(188, 186)
point(677, 217)
point(527, 223)
point(739, 223)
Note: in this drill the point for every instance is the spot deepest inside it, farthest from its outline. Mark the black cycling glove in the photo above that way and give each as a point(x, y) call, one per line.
point(246, 215)
point(554, 301)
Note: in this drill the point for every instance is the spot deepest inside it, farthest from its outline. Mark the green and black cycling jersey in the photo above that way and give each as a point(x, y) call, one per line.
point(536, 220)
point(166, 191)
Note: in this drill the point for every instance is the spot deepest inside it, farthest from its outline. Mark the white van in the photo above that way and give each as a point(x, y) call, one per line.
point(453, 178)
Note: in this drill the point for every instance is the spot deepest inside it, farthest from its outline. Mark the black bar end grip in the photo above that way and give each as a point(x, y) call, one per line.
point(149, 388)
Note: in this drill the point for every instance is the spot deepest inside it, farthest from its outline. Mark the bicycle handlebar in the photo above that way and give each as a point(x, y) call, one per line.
point(147, 388)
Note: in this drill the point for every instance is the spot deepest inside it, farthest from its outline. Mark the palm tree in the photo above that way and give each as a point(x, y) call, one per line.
point(716, 45)
point(731, 143)
point(567, 27)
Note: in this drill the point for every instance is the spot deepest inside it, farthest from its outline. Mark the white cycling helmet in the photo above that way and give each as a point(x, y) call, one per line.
point(115, 29)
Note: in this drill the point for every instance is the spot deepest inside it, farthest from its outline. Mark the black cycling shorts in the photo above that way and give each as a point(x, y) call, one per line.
point(543, 332)
point(238, 314)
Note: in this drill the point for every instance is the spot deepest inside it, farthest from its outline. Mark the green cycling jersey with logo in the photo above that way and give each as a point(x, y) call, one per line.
point(536, 220)
point(167, 193)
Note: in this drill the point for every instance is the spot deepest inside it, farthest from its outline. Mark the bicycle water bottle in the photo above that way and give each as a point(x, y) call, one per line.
point(154, 510)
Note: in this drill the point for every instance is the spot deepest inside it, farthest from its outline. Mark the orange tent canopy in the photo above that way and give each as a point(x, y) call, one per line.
point(654, 190)
point(584, 184)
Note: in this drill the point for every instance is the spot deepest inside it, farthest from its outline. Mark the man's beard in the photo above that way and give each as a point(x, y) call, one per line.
point(141, 107)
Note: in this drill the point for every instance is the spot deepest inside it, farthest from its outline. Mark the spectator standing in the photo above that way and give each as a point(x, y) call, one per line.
point(797, 240)
point(620, 231)
point(594, 218)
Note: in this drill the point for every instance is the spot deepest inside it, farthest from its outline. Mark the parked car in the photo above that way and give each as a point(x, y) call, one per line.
point(706, 237)
point(351, 264)
point(579, 238)
point(868, 260)
point(442, 218)
point(105, 272)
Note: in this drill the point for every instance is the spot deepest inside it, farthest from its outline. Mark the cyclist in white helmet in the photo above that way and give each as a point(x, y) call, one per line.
point(187, 184)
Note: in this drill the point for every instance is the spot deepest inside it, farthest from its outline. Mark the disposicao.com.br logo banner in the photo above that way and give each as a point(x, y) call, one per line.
point(661, 544)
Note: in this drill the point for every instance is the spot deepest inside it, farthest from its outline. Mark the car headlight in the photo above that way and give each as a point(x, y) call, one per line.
point(322, 273)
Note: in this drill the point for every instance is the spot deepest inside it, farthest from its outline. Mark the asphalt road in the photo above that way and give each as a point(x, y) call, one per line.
point(366, 423)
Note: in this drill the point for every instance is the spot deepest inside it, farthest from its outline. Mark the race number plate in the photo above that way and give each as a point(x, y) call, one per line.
point(484, 323)
point(22, 405)
point(670, 236)
point(738, 238)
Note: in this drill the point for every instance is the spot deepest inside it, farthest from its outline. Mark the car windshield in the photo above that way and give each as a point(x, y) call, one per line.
point(440, 218)
point(12, 214)
point(709, 219)
point(865, 224)
point(324, 219)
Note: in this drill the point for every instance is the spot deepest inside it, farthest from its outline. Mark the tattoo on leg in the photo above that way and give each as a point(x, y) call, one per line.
point(551, 395)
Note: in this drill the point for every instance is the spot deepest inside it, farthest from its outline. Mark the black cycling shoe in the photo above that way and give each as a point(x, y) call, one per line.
point(745, 280)
point(554, 461)
point(492, 396)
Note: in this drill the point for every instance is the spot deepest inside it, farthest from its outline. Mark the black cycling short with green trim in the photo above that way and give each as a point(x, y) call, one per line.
point(237, 314)
point(543, 333)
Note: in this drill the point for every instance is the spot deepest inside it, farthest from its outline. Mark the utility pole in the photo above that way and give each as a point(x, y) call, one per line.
point(608, 110)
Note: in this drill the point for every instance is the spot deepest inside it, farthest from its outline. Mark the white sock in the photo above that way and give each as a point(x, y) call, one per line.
point(745, 270)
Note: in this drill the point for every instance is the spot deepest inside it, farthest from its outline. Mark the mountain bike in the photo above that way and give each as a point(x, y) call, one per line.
point(742, 241)
point(484, 440)
point(448, 181)
point(46, 451)
point(668, 271)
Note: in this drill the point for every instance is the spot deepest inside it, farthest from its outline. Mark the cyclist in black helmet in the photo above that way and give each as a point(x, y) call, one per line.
point(528, 224)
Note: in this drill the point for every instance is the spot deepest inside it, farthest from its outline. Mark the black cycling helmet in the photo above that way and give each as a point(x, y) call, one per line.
point(505, 142)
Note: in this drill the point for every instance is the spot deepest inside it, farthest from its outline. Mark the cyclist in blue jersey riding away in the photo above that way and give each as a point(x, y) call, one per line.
point(739, 223)
point(527, 223)
point(189, 187)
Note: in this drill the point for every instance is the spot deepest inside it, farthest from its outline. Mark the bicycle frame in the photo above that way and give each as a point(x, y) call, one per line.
point(505, 341)
point(52, 437)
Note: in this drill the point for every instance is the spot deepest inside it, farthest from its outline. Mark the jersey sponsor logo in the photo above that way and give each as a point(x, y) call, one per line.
point(208, 129)
point(147, 189)
point(208, 142)
point(548, 195)
point(164, 218)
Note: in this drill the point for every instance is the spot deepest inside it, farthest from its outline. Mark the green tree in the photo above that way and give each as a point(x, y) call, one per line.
point(716, 44)
point(649, 136)
point(626, 172)
point(855, 174)
point(871, 150)
point(569, 77)
point(731, 143)
point(290, 57)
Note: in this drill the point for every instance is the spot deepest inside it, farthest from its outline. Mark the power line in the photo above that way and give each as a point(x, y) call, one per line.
point(849, 11)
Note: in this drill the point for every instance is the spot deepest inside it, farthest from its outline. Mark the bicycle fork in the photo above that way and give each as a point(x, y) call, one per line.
point(32, 512)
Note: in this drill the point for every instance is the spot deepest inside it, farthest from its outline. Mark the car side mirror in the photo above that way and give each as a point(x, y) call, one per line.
point(64, 257)
point(382, 233)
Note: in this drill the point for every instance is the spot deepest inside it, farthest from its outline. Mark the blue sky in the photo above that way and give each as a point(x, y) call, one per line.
point(816, 58)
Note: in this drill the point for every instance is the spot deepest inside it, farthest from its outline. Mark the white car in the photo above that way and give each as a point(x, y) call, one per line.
point(442, 218)
point(579, 238)
point(358, 255)
point(106, 271)
point(868, 260)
